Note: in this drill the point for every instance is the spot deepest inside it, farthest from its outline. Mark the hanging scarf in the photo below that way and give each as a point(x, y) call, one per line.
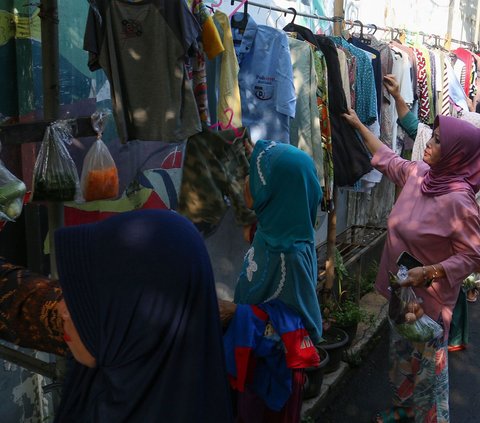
point(459, 166)
point(140, 290)
point(282, 261)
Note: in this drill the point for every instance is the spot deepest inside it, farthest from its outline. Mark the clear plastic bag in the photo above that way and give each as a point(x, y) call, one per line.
point(12, 192)
point(406, 316)
point(55, 177)
point(99, 179)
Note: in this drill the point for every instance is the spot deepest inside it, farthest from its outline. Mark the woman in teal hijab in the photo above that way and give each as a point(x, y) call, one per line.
point(281, 264)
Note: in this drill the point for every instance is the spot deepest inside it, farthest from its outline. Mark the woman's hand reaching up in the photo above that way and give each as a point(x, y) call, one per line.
point(352, 118)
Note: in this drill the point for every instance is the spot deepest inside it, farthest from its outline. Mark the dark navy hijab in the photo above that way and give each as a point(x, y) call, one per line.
point(140, 289)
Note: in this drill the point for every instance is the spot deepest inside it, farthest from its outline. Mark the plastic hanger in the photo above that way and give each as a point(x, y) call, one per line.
point(237, 8)
point(362, 38)
point(214, 5)
point(294, 14)
point(241, 24)
point(238, 133)
point(346, 31)
point(372, 27)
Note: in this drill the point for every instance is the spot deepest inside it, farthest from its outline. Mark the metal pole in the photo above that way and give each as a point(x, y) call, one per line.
point(30, 363)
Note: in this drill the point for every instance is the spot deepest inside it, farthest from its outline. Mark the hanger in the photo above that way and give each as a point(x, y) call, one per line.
point(346, 31)
point(439, 46)
point(243, 2)
point(399, 37)
point(362, 37)
point(276, 20)
point(294, 14)
point(268, 15)
point(318, 29)
point(241, 24)
point(237, 132)
point(372, 27)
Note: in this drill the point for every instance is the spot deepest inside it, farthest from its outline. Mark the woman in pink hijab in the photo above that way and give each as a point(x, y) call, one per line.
point(436, 219)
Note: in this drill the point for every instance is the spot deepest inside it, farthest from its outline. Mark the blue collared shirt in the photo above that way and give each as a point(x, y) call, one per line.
point(265, 79)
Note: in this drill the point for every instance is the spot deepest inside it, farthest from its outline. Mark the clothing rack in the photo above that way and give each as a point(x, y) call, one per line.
point(341, 19)
point(338, 22)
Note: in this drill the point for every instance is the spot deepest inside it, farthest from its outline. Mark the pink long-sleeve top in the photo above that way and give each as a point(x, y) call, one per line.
point(442, 229)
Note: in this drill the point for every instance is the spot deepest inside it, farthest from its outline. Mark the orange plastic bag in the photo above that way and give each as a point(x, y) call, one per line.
point(101, 184)
point(99, 174)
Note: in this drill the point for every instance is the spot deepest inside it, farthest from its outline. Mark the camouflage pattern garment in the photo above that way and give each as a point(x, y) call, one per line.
point(214, 171)
point(28, 315)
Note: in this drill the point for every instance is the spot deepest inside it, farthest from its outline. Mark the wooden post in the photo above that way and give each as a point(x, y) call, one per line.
point(332, 216)
point(331, 244)
point(51, 104)
point(51, 111)
point(338, 12)
point(477, 25)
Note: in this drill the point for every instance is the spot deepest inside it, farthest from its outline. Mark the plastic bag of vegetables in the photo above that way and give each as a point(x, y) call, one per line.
point(12, 192)
point(55, 177)
point(406, 315)
point(99, 179)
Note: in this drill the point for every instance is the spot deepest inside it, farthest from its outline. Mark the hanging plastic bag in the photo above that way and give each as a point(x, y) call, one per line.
point(406, 314)
point(99, 174)
point(12, 192)
point(55, 177)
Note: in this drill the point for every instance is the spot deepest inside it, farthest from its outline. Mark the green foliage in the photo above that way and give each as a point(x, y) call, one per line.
point(348, 313)
point(367, 279)
point(353, 359)
point(342, 308)
point(340, 270)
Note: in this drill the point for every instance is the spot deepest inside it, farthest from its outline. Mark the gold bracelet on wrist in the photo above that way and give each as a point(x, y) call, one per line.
point(427, 281)
point(424, 273)
point(435, 274)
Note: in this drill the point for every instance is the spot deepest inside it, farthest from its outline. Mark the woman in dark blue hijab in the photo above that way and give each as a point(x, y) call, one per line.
point(140, 292)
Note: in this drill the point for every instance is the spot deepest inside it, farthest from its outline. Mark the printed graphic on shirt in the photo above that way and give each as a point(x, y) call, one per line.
point(264, 87)
point(131, 28)
point(306, 343)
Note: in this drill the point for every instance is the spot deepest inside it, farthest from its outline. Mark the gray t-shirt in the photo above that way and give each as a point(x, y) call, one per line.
point(144, 47)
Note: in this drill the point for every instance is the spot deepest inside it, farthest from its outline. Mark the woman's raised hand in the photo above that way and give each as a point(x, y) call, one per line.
point(352, 118)
point(392, 85)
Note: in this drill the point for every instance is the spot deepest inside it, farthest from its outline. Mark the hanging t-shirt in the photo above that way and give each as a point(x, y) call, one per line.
point(143, 47)
point(265, 79)
point(305, 130)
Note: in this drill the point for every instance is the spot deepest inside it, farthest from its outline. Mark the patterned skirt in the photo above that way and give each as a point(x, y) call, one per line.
point(419, 377)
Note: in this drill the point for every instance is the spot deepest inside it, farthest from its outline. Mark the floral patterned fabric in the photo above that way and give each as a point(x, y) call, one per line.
point(322, 104)
point(28, 315)
point(419, 377)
